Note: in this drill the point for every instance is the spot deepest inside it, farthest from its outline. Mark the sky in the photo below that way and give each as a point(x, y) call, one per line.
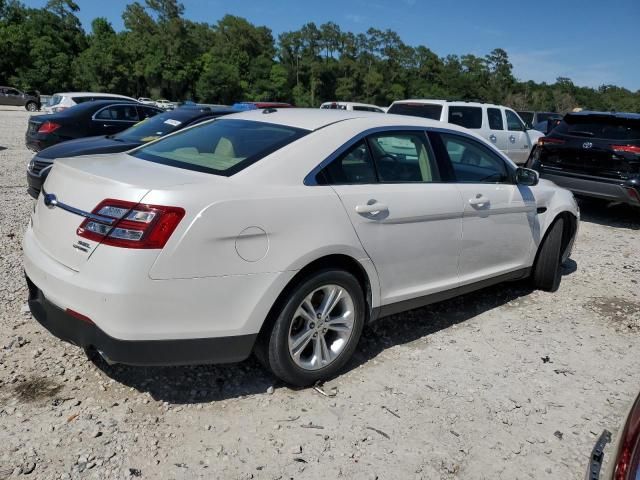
point(590, 41)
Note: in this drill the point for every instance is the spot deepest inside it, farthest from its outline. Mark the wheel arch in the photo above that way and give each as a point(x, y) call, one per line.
point(569, 231)
point(339, 261)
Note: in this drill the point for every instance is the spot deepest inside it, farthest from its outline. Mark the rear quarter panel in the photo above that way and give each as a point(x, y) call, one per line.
point(245, 230)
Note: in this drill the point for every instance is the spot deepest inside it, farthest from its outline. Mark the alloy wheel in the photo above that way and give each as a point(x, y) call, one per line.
point(321, 327)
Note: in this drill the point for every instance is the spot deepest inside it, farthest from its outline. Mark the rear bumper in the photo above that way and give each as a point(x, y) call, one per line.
point(606, 189)
point(86, 334)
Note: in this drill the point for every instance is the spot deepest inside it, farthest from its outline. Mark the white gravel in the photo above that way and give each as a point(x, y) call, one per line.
point(501, 384)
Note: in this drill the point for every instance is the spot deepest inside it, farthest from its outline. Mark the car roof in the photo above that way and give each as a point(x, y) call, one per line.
point(624, 115)
point(455, 103)
point(353, 104)
point(89, 94)
point(316, 118)
point(97, 104)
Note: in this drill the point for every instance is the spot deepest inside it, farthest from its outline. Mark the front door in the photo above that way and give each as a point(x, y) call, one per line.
point(408, 222)
point(519, 145)
point(498, 225)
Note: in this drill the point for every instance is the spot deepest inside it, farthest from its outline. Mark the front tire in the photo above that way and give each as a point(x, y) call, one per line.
point(546, 271)
point(317, 329)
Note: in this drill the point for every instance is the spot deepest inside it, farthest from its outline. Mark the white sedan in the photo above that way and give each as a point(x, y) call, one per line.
point(282, 232)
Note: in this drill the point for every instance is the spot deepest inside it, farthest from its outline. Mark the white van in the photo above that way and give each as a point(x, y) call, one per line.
point(363, 107)
point(498, 124)
point(61, 101)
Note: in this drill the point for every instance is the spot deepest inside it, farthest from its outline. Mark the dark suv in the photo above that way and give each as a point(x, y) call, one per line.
point(14, 97)
point(595, 154)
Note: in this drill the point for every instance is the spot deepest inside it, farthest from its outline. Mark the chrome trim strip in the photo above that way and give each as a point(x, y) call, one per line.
point(50, 200)
point(310, 179)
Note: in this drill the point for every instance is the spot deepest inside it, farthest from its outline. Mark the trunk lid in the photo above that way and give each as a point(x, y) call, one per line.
point(80, 184)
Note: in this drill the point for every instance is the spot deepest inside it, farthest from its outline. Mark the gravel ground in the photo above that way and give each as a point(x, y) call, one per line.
point(501, 384)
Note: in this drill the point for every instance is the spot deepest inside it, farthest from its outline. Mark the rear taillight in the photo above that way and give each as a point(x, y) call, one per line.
point(131, 225)
point(626, 149)
point(48, 127)
point(550, 141)
point(627, 465)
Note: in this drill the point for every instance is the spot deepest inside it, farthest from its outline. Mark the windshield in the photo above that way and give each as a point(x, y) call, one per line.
point(221, 147)
point(431, 111)
point(544, 116)
point(152, 128)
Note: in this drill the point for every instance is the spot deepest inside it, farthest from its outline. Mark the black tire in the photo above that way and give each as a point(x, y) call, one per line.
point(31, 106)
point(273, 348)
point(546, 270)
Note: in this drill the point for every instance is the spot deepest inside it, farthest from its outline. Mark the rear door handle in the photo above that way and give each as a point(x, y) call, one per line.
point(493, 138)
point(512, 139)
point(372, 207)
point(480, 201)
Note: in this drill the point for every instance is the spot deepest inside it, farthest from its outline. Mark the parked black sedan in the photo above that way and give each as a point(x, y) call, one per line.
point(100, 117)
point(145, 131)
point(594, 154)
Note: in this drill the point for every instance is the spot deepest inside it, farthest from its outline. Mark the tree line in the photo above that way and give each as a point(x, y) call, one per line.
point(159, 53)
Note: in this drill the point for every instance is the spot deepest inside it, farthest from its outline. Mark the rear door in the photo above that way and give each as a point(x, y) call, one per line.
point(114, 118)
point(519, 145)
point(498, 225)
point(408, 222)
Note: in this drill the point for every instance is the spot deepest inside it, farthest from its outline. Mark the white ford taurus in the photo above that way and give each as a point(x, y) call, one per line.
point(282, 232)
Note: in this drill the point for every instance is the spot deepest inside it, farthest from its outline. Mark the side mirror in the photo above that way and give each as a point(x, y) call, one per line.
point(527, 177)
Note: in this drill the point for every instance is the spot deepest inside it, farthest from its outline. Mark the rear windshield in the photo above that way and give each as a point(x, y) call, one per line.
point(56, 99)
point(221, 147)
point(608, 128)
point(468, 117)
point(423, 110)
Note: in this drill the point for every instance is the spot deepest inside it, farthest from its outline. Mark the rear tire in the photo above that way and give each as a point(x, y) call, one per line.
point(306, 345)
point(31, 106)
point(546, 270)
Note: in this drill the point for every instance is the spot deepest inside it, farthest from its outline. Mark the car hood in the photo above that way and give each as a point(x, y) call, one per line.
point(87, 146)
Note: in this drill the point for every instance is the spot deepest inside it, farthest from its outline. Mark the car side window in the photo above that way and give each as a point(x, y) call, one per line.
point(402, 157)
point(495, 119)
point(355, 166)
point(146, 112)
point(514, 123)
point(468, 117)
point(472, 162)
point(122, 113)
point(13, 91)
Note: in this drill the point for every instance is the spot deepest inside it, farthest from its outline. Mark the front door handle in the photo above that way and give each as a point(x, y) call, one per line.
point(372, 207)
point(493, 138)
point(479, 202)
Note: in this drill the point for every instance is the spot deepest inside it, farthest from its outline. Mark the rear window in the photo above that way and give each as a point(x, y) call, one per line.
point(56, 99)
point(221, 147)
point(544, 116)
point(424, 110)
point(468, 117)
point(593, 126)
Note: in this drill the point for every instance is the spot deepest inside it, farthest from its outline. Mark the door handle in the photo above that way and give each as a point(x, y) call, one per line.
point(480, 201)
point(373, 207)
point(493, 138)
point(512, 139)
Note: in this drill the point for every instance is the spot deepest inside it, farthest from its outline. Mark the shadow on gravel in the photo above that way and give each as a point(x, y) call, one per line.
point(612, 215)
point(2, 148)
point(206, 383)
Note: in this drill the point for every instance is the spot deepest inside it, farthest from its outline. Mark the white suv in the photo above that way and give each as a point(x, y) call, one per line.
point(499, 125)
point(61, 101)
point(352, 106)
